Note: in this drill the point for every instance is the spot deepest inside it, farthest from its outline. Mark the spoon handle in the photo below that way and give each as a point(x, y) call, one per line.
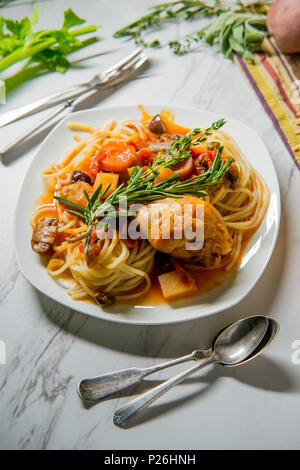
point(135, 406)
point(96, 388)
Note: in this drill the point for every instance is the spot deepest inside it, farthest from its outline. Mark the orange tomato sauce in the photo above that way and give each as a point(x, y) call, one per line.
point(206, 279)
point(168, 119)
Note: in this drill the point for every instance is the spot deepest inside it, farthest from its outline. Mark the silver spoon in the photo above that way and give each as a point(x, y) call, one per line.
point(235, 345)
point(97, 388)
point(102, 386)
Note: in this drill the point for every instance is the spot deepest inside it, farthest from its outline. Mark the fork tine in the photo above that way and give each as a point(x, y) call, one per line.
point(143, 59)
point(122, 74)
point(119, 65)
point(136, 60)
point(134, 63)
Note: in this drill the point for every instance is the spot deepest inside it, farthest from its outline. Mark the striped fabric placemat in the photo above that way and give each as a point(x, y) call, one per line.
point(275, 78)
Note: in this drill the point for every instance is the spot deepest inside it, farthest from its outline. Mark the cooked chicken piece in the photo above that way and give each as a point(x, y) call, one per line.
point(74, 192)
point(167, 225)
point(44, 235)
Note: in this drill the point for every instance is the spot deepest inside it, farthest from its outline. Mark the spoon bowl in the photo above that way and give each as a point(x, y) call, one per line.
point(249, 336)
point(238, 342)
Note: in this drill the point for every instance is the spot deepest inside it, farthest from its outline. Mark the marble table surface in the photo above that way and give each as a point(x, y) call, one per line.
point(49, 348)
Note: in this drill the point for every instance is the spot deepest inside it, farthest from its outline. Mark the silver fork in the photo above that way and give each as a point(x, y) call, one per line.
point(109, 78)
point(69, 93)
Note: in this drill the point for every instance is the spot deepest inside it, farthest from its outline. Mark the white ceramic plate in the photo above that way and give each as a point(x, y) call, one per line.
point(255, 258)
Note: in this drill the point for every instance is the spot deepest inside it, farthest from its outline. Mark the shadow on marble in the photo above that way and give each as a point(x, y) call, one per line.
point(156, 411)
point(262, 374)
point(9, 157)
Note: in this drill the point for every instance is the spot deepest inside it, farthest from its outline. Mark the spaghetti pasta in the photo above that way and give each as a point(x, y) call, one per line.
point(121, 267)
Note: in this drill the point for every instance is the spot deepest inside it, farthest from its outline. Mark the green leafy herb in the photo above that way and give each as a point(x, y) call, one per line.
point(235, 33)
point(71, 19)
point(49, 48)
point(239, 28)
point(141, 186)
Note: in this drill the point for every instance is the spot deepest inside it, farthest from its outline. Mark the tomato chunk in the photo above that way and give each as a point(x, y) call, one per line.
point(145, 156)
point(115, 156)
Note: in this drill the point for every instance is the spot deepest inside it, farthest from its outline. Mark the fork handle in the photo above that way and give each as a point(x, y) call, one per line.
point(51, 100)
point(135, 406)
point(35, 128)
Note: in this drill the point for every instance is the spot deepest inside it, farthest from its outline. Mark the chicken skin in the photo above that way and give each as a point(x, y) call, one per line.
point(173, 226)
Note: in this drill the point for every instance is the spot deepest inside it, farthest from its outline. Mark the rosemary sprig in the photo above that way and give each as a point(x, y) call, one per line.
point(180, 149)
point(196, 186)
point(235, 34)
point(164, 12)
point(86, 213)
point(141, 186)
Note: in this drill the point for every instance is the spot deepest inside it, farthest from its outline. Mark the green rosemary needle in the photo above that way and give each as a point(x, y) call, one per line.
point(141, 186)
point(237, 28)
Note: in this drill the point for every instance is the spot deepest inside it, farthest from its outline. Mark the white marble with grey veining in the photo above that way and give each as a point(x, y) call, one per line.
point(49, 348)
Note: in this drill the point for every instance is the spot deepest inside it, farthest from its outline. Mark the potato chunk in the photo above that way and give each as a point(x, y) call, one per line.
point(175, 285)
point(75, 192)
point(106, 179)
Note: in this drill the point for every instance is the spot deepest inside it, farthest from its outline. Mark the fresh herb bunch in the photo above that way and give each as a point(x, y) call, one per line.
point(163, 12)
point(238, 28)
point(235, 33)
point(141, 186)
point(48, 48)
point(180, 149)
